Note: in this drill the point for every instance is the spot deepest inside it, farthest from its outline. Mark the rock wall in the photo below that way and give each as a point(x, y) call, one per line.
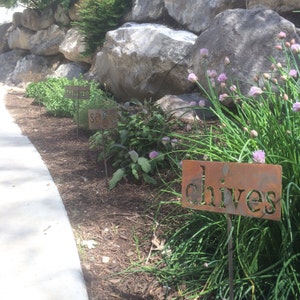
point(151, 54)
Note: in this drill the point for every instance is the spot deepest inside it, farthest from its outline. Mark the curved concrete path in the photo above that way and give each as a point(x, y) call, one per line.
point(38, 254)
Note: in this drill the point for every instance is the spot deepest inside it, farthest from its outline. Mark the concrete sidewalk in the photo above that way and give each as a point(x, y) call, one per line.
point(38, 254)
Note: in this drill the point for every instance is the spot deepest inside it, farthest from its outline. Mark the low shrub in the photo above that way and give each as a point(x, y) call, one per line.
point(97, 17)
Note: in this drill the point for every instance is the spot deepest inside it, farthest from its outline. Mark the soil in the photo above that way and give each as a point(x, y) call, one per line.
point(112, 228)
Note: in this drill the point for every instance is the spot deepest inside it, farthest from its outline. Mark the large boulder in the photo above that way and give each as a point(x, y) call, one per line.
point(31, 19)
point(198, 15)
point(146, 11)
point(3, 37)
point(46, 18)
point(61, 16)
point(186, 107)
point(19, 38)
point(73, 46)
point(46, 42)
point(144, 60)
point(8, 61)
point(238, 35)
point(70, 70)
point(276, 5)
point(34, 67)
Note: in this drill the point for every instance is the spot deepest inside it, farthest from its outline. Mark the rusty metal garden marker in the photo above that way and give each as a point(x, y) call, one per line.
point(103, 119)
point(77, 93)
point(251, 190)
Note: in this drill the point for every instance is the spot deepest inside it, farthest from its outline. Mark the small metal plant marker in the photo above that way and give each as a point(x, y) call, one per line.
point(103, 119)
point(251, 190)
point(77, 93)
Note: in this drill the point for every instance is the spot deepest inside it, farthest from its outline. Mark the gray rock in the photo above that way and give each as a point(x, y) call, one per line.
point(8, 61)
point(70, 70)
point(198, 15)
point(19, 38)
point(185, 107)
point(248, 38)
point(144, 60)
point(46, 18)
point(46, 42)
point(32, 68)
point(30, 19)
point(61, 16)
point(276, 5)
point(3, 37)
point(73, 46)
point(146, 11)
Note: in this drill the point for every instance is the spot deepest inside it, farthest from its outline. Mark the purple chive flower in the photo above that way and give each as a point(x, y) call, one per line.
point(295, 48)
point(226, 60)
point(153, 154)
point(293, 73)
point(222, 97)
point(204, 52)
point(253, 133)
point(222, 77)
point(193, 103)
point(282, 35)
point(165, 140)
point(233, 88)
point(254, 90)
point(192, 77)
point(212, 73)
point(259, 156)
point(174, 142)
point(296, 107)
point(201, 103)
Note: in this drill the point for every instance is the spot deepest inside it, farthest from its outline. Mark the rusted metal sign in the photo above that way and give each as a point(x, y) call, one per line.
point(77, 92)
point(252, 190)
point(103, 118)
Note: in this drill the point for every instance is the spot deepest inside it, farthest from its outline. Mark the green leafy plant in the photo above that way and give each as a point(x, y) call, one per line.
point(97, 17)
point(51, 94)
point(140, 133)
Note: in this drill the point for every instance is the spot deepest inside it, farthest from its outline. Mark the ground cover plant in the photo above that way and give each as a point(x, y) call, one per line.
point(263, 128)
point(51, 94)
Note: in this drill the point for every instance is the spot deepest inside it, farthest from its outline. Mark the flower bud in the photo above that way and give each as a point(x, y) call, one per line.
point(226, 60)
point(253, 133)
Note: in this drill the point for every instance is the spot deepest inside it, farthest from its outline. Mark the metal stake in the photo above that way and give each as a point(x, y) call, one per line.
point(77, 101)
point(230, 256)
point(104, 156)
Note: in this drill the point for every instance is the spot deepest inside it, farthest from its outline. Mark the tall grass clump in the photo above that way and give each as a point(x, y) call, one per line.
point(263, 127)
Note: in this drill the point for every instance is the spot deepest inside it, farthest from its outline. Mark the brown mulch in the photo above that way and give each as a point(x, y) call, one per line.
point(112, 228)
